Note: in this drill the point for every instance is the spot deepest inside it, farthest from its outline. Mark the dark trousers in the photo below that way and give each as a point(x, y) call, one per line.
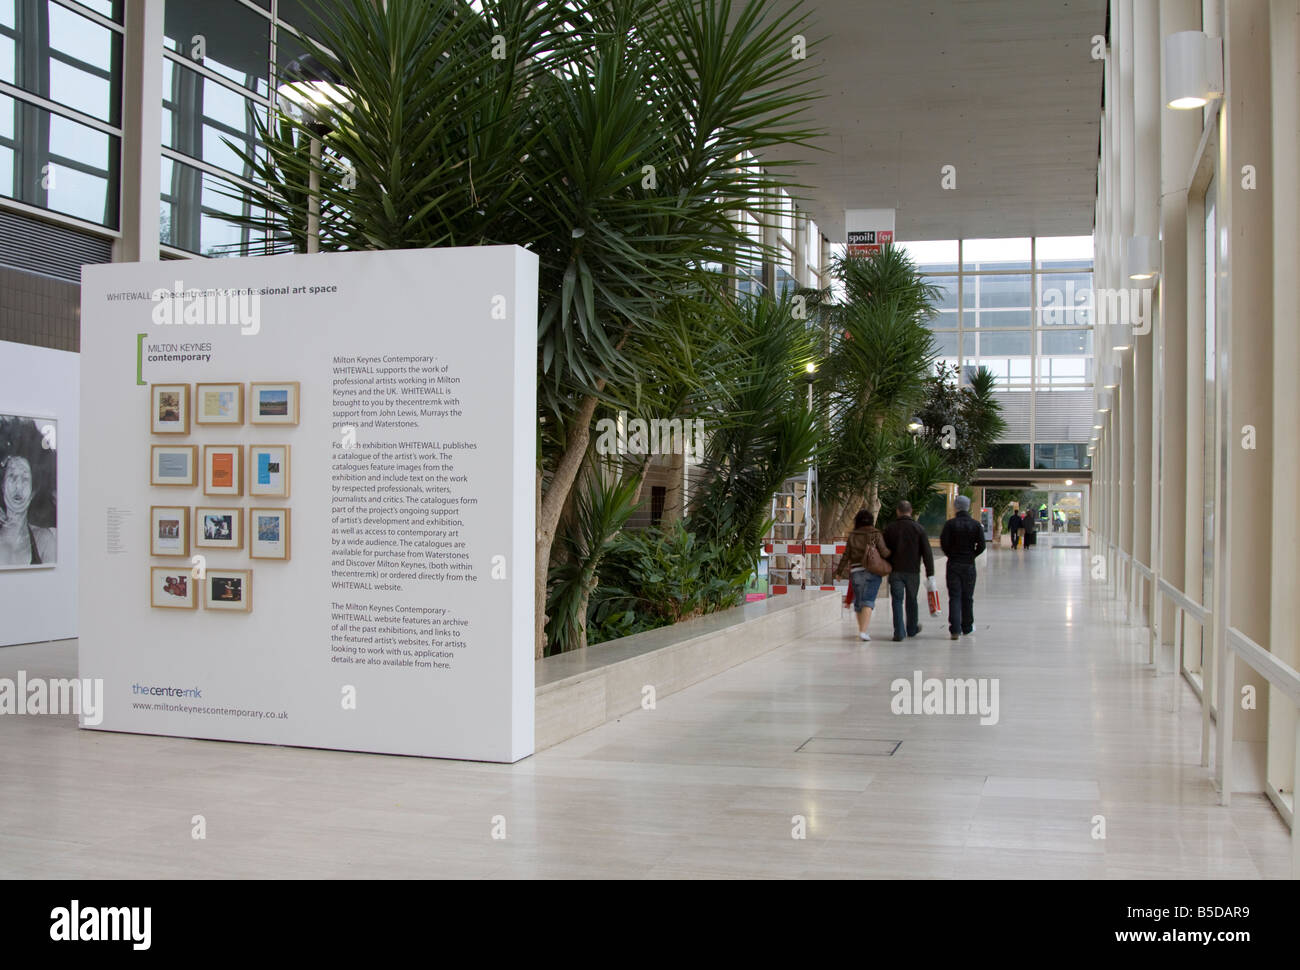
point(902, 590)
point(961, 597)
point(1015, 540)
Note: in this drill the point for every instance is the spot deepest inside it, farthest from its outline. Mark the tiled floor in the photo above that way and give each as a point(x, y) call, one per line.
point(714, 782)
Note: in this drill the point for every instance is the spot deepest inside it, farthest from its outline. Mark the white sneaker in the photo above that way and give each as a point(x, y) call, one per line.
point(865, 637)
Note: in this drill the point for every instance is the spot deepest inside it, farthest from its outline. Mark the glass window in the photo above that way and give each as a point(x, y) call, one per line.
point(63, 56)
point(194, 209)
point(1008, 455)
point(997, 301)
point(1065, 300)
point(199, 114)
point(933, 256)
point(994, 254)
point(112, 9)
point(1057, 251)
point(235, 41)
point(58, 164)
point(1065, 455)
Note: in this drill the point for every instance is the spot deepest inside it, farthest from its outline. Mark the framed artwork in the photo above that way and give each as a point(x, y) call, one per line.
point(268, 471)
point(218, 528)
point(169, 408)
point(219, 403)
point(223, 470)
point(228, 589)
point(173, 465)
point(273, 402)
point(268, 533)
point(169, 530)
point(29, 492)
point(172, 588)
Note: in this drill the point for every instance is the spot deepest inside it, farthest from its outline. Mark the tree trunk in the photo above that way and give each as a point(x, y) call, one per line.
point(674, 495)
point(550, 504)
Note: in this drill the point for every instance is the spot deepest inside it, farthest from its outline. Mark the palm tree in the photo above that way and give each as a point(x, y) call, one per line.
point(607, 140)
point(880, 352)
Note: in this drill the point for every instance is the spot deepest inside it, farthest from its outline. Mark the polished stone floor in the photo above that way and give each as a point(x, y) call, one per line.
point(712, 783)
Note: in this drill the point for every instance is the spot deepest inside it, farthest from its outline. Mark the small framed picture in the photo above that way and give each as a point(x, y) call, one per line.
point(169, 408)
point(273, 402)
point(268, 471)
point(169, 530)
point(223, 470)
point(173, 465)
point(172, 588)
point(218, 528)
point(268, 533)
point(219, 403)
point(228, 589)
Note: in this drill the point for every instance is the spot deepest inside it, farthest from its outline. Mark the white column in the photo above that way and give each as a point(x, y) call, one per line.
point(1285, 604)
point(142, 93)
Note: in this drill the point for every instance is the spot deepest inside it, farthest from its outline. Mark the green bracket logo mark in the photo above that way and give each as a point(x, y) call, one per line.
point(139, 358)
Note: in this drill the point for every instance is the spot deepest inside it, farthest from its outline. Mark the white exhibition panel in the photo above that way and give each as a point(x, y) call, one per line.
point(39, 602)
point(402, 619)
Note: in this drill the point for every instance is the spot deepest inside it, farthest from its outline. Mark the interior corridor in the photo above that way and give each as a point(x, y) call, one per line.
point(709, 783)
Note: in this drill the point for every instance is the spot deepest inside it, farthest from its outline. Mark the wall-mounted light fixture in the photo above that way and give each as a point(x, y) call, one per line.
point(1193, 71)
point(1142, 257)
point(1110, 377)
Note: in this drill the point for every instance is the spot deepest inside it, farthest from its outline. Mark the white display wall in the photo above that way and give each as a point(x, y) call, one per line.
point(38, 425)
point(385, 603)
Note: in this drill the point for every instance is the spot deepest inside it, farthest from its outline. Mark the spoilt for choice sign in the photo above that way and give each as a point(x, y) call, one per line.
point(307, 499)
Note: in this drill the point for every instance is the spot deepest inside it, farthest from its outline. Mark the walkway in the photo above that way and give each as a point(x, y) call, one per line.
point(706, 785)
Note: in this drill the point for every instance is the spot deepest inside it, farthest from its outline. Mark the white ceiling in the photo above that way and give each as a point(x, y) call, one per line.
point(1005, 90)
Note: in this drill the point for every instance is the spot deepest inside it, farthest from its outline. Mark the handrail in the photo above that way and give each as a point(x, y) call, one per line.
point(1137, 564)
point(1277, 673)
point(1199, 613)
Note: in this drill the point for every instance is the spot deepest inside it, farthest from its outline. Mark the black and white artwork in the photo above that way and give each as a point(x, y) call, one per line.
point(28, 491)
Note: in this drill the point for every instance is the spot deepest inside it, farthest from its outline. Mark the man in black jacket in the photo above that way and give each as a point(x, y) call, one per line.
point(962, 540)
point(911, 547)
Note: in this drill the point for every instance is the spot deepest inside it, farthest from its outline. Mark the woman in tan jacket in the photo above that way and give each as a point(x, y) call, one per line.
point(865, 583)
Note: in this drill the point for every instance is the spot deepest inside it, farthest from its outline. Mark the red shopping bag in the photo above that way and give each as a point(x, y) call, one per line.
point(848, 596)
point(932, 595)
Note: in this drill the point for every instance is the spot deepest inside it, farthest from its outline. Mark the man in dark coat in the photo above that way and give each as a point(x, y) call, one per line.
point(1015, 524)
point(962, 541)
point(911, 547)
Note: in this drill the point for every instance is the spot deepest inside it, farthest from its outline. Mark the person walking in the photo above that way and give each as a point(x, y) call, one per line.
point(962, 541)
point(1014, 525)
point(865, 555)
point(911, 547)
point(1031, 529)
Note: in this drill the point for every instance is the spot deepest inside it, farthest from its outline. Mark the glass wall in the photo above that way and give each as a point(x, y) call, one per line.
point(61, 107)
point(1023, 309)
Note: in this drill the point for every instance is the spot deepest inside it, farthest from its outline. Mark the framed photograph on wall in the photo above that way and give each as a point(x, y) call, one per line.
point(223, 469)
point(268, 533)
point(172, 588)
point(173, 465)
point(273, 402)
point(219, 403)
point(218, 528)
point(268, 471)
point(169, 530)
point(228, 589)
point(169, 408)
point(29, 484)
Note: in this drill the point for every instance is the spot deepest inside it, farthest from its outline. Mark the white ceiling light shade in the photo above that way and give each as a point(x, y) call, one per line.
point(1103, 402)
point(1110, 378)
point(1142, 257)
point(1193, 69)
